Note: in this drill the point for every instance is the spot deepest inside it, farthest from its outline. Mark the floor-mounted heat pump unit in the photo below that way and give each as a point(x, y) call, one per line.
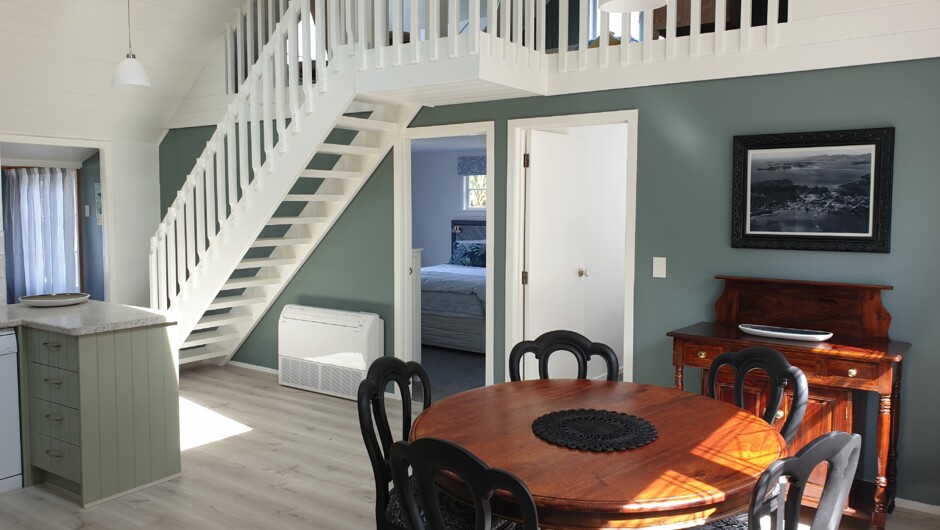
point(327, 350)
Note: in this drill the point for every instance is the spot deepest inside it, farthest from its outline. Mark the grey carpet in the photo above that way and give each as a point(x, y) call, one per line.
point(452, 371)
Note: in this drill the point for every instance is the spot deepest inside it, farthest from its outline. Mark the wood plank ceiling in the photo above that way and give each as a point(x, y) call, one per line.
point(57, 58)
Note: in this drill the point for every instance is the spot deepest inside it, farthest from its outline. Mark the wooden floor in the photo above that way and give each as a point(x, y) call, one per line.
point(302, 465)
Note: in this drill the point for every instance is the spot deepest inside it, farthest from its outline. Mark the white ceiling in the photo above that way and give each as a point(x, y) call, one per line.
point(15, 154)
point(57, 58)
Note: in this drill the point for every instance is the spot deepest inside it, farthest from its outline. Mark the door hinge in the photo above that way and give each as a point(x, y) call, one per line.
point(525, 160)
point(525, 277)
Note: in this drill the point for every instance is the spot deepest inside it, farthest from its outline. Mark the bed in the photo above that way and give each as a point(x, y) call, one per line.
point(453, 294)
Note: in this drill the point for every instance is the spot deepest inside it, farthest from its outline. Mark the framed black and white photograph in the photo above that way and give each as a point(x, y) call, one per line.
point(813, 191)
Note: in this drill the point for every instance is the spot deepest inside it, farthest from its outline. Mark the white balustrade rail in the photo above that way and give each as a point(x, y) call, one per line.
point(278, 59)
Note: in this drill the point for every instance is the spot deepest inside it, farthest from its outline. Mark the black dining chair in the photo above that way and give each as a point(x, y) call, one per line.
point(840, 452)
point(781, 374)
point(427, 458)
point(550, 342)
point(377, 435)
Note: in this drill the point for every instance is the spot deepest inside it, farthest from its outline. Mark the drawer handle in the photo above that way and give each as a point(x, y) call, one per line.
point(58, 455)
point(57, 419)
point(779, 415)
point(853, 372)
point(701, 354)
point(53, 345)
point(52, 382)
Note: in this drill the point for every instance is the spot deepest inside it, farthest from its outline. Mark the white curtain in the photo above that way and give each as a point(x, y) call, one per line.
point(40, 217)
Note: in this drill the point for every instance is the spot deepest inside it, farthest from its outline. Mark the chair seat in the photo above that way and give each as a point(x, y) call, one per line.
point(457, 516)
point(728, 523)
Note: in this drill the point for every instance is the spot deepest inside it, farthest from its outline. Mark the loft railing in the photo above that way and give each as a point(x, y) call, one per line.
point(278, 59)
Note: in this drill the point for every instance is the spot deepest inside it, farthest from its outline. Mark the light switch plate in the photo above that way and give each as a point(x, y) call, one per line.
point(87, 211)
point(659, 267)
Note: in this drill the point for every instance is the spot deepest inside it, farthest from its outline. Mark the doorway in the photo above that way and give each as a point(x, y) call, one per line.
point(570, 233)
point(443, 225)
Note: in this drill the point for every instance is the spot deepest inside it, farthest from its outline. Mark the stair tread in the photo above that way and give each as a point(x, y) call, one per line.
point(363, 124)
point(311, 219)
point(203, 338)
point(313, 197)
point(251, 263)
point(329, 174)
point(251, 281)
point(210, 321)
point(264, 242)
point(201, 353)
point(222, 302)
point(340, 149)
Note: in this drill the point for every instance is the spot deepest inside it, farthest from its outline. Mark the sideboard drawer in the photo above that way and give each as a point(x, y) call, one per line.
point(861, 371)
point(56, 456)
point(53, 384)
point(700, 355)
point(54, 420)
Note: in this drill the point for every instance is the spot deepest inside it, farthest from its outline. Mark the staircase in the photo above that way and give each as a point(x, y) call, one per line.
point(285, 162)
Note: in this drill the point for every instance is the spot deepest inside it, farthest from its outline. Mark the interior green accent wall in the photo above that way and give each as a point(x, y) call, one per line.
point(683, 213)
point(92, 236)
point(178, 153)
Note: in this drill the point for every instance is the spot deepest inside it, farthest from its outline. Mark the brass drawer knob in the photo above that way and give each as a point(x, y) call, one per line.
point(853, 372)
point(701, 354)
point(779, 415)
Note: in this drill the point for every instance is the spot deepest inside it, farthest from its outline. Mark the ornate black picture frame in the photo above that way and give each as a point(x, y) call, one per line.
point(826, 190)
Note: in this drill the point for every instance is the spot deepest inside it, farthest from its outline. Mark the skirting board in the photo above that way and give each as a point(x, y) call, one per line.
point(256, 368)
point(915, 506)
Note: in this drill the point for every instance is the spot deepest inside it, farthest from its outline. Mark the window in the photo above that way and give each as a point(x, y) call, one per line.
point(474, 187)
point(473, 171)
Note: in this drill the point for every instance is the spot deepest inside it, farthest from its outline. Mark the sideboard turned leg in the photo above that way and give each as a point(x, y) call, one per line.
point(879, 515)
point(679, 378)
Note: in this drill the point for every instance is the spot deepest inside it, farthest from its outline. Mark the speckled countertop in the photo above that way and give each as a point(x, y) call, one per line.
point(81, 319)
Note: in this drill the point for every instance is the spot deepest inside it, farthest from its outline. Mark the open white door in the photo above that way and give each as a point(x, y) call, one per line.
point(575, 239)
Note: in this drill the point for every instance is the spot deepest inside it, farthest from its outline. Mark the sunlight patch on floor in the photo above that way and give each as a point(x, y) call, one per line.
point(200, 425)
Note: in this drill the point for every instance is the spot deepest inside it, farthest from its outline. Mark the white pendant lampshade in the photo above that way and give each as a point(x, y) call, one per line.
point(629, 6)
point(130, 71)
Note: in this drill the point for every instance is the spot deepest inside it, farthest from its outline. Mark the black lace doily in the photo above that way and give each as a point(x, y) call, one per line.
point(594, 430)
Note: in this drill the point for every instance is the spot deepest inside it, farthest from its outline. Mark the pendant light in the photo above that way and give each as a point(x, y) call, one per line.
point(130, 72)
point(629, 6)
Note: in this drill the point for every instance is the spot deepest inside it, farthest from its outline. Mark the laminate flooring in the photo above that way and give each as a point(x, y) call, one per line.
point(302, 465)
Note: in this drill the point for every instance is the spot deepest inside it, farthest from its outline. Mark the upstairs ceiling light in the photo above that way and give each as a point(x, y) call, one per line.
point(130, 72)
point(629, 6)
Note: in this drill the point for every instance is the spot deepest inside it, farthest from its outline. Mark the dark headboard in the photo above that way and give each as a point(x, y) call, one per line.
point(467, 230)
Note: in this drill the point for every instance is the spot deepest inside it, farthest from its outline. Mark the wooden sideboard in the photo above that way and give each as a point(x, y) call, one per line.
point(858, 358)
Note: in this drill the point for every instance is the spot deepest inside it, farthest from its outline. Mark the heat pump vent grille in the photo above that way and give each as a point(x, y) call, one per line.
point(308, 374)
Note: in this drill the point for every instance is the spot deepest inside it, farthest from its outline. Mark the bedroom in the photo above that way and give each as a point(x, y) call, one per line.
point(449, 227)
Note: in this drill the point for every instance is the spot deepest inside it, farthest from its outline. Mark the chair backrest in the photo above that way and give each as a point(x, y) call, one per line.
point(373, 418)
point(563, 340)
point(428, 457)
point(840, 450)
point(780, 372)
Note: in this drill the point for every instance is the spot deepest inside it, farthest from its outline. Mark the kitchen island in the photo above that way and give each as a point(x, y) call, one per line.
point(99, 397)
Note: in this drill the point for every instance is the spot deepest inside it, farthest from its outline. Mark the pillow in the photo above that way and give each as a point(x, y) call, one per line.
point(469, 253)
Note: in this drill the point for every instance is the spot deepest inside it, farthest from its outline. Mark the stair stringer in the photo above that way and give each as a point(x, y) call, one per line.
point(283, 166)
point(399, 114)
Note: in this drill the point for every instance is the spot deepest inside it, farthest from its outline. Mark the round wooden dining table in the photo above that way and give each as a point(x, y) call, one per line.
point(702, 466)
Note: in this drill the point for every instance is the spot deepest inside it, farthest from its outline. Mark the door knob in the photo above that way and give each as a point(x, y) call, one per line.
point(581, 272)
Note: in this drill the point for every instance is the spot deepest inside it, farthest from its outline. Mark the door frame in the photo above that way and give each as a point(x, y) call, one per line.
point(404, 304)
point(517, 132)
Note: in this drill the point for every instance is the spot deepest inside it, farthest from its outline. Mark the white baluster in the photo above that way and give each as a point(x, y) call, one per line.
point(271, 20)
point(625, 19)
point(262, 28)
point(267, 99)
point(250, 25)
point(745, 27)
point(604, 36)
point(648, 35)
point(152, 264)
point(210, 195)
point(231, 58)
point(529, 35)
point(505, 9)
point(453, 26)
point(541, 25)
point(582, 34)
point(672, 9)
point(695, 31)
point(293, 84)
point(434, 22)
point(307, 68)
point(332, 12)
point(232, 165)
point(474, 27)
point(171, 285)
point(773, 14)
point(162, 285)
point(220, 180)
point(415, 30)
point(180, 215)
point(563, 35)
point(200, 200)
point(397, 16)
point(280, 90)
point(320, 20)
point(517, 26)
point(720, 19)
point(492, 22)
point(188, 199)
point(348, 24)
point(361, 37)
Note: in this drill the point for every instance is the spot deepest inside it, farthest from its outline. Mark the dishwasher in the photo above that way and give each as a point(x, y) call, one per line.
point(11, 460)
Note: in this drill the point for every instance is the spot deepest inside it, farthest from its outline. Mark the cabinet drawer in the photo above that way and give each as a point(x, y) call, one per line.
point(55, 456)
point(53, 384)
point(52, 349)
point(54, 420)
point(852, 369)
point(701, 355)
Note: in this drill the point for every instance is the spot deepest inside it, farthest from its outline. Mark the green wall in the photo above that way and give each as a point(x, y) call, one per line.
point(178, 153)
point(683, 213)
point(92, 235)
